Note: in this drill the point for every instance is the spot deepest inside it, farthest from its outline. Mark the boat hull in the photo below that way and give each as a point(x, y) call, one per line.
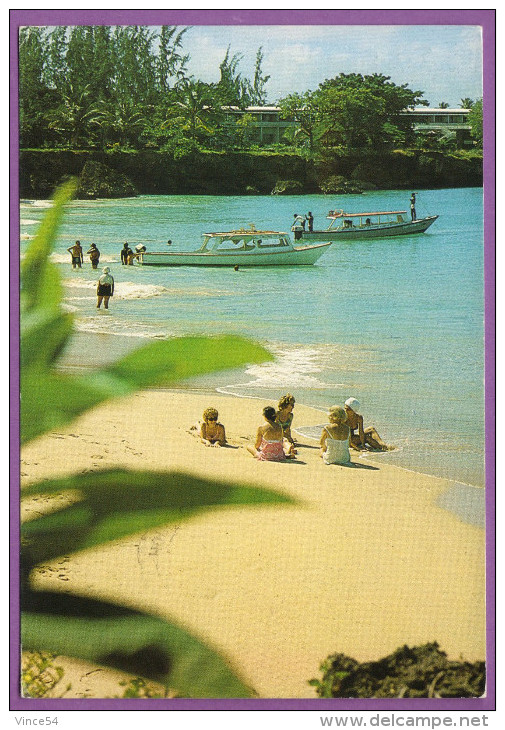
point(299, 256)
point(407, 228)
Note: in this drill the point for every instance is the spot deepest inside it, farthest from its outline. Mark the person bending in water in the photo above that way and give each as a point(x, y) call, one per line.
point(212, 432)
point(365, 436)
point(335, 437)
point(269, 439)
point(284, 418)
point(94, 256)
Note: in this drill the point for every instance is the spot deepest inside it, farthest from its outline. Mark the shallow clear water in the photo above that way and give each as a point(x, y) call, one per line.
point(397, 323)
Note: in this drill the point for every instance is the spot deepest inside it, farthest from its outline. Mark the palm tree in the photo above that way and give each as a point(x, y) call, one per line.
point(120, 121)
point(196, 106)
point(75, 115)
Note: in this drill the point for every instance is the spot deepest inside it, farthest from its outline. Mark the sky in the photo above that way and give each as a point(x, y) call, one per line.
point(445, 62)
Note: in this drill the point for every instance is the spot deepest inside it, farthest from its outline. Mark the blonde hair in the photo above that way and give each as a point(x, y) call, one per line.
point(285, 401)
point(337, 414)
point(210, 413)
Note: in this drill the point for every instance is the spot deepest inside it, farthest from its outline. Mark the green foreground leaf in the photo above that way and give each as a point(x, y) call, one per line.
point(51, 399)
point(118, 503)
point(40, 281)
point(143, 645)
point(170, 361)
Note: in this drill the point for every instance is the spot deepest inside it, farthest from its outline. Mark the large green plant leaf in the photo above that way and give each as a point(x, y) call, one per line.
point(141, 644)
point(50, 399)
point(40, 281)
point(173, 360)
point(44, 334)
point(117, 503)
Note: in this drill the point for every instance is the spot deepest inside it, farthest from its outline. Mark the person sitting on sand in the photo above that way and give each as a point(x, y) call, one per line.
point(212, 432)
point(366, 437)
point(284, 417)
point(335, 437)
point(269, 439)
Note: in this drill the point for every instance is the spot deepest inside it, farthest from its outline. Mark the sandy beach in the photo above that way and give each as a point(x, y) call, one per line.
point(365, 562)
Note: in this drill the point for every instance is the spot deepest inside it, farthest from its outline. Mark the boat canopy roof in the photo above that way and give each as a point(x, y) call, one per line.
point(245, 239)
point(341, 214)
point(244, 232)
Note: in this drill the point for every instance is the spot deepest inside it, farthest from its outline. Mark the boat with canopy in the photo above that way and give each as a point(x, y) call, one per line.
point(378, 224)
point(242, 247)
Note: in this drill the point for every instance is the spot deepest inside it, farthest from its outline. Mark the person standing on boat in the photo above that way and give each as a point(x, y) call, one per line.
point(77, 255)
point(310, 220)
point(298, 226)
point(105, 288)
point(413, 206)
point(94, 256)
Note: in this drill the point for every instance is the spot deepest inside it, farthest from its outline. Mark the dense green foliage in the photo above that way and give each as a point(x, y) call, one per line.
point(364, 111)
point(475, 119)
point(418, 671)
point(100, 86)
point(40, 675)
point(112, 504)
point(352, 111)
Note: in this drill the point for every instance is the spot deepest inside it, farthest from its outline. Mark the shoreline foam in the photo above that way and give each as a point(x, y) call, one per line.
point(99, 349)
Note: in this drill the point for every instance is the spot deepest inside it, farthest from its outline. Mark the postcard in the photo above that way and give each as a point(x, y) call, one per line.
point(255, 313)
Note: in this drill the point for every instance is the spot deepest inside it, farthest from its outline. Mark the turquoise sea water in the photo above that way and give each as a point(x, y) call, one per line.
point(397, 323)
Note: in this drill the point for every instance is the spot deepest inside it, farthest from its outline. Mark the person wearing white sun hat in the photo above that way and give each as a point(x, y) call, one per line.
point(105, 288)
point(365, 437)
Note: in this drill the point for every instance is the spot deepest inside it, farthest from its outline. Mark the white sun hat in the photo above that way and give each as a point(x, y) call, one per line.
point(353, 404)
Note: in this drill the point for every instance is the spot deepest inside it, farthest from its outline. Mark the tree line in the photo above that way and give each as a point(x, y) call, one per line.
point(128, 87)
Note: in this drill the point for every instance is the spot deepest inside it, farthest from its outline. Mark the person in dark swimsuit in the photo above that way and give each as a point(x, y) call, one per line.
point(413, 213)
point(77, 255)
point(125, 251)
point(284, 417)
point(105, 288)
point(94, 256)
point(212, 432)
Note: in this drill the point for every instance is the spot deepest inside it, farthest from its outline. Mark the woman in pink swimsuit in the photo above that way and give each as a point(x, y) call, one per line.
point(269, 439)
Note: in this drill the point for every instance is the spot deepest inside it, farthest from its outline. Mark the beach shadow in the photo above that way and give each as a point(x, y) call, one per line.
point(353, 465)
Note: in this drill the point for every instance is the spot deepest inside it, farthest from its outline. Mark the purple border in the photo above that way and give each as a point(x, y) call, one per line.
point(486, 19)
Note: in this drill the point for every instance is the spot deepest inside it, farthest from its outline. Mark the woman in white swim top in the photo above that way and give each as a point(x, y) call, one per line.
point(335, 437)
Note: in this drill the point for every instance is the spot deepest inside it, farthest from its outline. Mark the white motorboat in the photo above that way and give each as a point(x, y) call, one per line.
point(351, 226)
point(243, 247)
